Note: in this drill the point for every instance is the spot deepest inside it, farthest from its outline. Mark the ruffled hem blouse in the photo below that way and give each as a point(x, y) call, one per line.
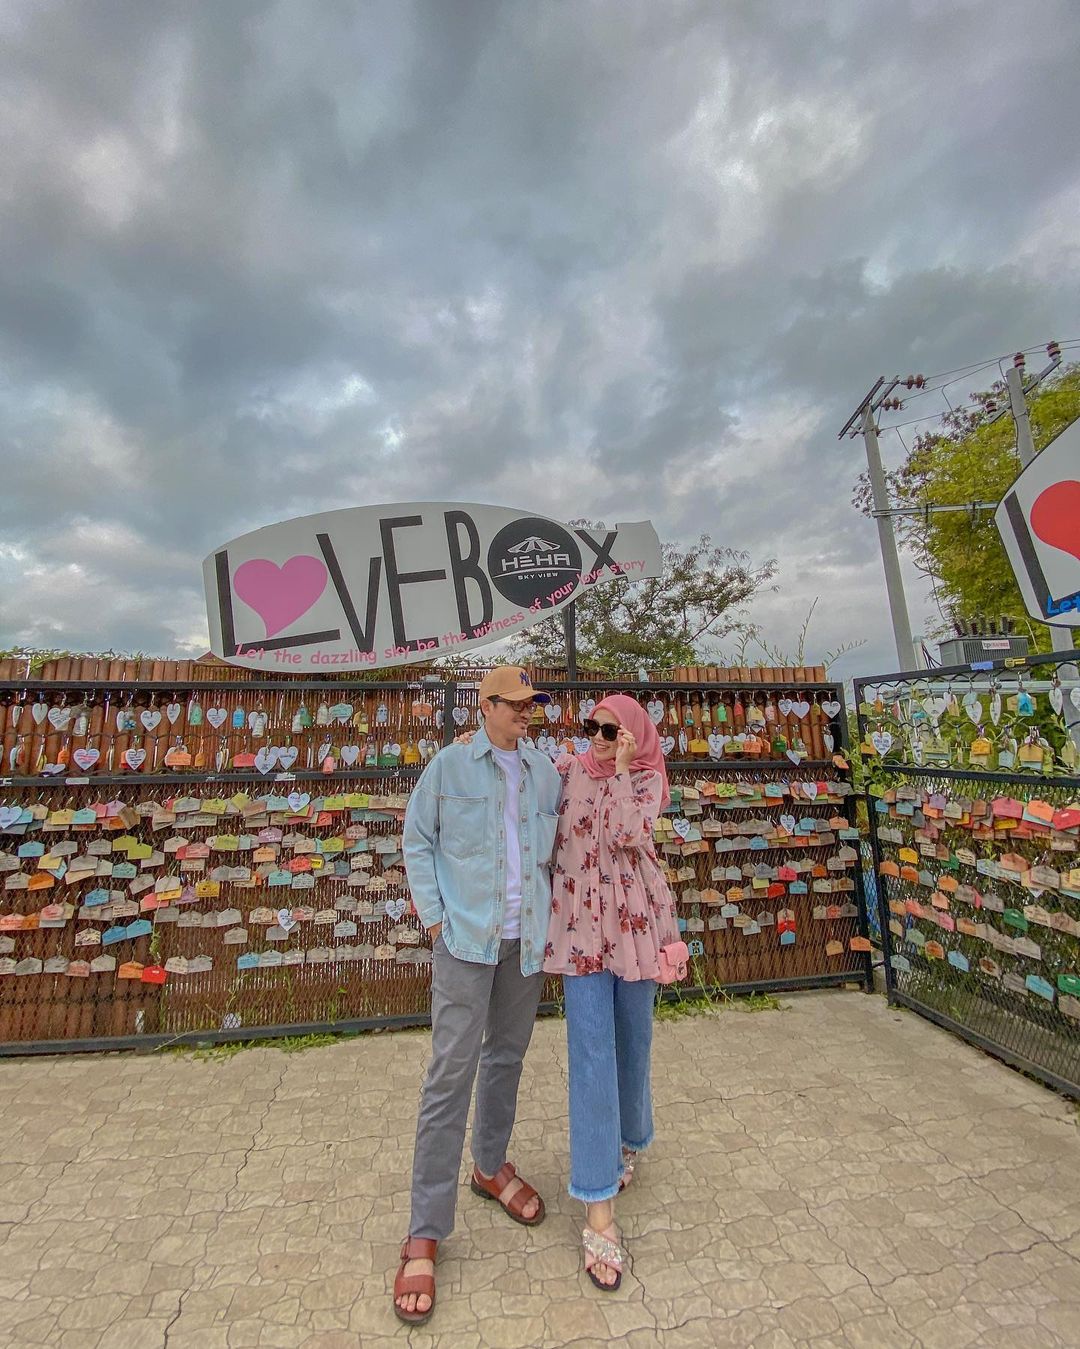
point(611, 908)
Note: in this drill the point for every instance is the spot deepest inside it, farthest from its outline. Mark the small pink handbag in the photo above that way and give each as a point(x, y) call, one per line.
point(674, 960)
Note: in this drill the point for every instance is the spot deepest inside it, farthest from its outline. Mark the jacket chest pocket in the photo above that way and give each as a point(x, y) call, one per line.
point(546, 825)
point(462, 825)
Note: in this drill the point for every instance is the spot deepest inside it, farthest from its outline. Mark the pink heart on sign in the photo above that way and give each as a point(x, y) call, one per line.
point(280, 595)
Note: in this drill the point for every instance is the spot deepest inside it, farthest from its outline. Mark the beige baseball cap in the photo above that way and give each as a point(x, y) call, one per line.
point(513, 684)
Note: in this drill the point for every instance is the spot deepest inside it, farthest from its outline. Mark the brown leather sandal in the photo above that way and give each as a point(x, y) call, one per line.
point(491, 1189)
point(415, 1248)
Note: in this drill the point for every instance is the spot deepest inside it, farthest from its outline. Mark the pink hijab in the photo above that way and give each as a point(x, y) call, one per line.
point(629, 713)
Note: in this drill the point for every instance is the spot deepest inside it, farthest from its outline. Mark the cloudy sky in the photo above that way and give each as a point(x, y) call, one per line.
point(622, 259)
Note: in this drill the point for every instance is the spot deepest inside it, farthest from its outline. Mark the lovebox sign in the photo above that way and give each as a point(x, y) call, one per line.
point(388, 585)
point(1039, 523)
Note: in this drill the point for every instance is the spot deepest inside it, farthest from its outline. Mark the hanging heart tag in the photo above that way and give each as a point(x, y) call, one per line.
point(681, 827)
point(350, 754)
point(298, 801)
point(810, 789)
point(800, 709)
point(995, 707)
point(828, 740)
point(287, 756)
point(461, 716)
point(173, 712)
point(266, 758)
point(831, 708)
point(150, 718)
point(784, 707)
point(134, 758)
point(882, 742)
point(59, 717)
point(553, 712)
point(1056, 698)
point(39, 711)
point(667, 744)
point(716, 745)
point(1074, 697)
point(787, 823)
point(86, 758)
point(217, 716)
point(974, 708)
point(285, 920)
point(655, 710)
point(395, 908)
point(794, 755)
point(586, 708)
point(581, 744)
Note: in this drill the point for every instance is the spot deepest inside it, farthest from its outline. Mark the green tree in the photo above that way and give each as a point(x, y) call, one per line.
point(973, 459)
point(672, 619)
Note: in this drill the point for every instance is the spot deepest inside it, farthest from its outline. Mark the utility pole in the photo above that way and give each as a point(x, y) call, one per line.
point(894, 584)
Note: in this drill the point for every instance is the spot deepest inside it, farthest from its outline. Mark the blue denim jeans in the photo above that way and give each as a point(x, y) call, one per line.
point(609, 1037)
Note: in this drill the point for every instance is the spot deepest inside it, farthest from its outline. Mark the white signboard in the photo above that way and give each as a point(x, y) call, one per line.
point(1039, 523)
point(388, 585)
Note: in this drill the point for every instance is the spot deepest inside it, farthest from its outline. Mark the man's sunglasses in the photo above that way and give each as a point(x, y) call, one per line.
point(516, 703)
point(606, 729)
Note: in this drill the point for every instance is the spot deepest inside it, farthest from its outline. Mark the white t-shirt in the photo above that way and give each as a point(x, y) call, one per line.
point(509, 760)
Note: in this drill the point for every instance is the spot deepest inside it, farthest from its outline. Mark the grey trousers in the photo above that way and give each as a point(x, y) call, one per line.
point(480, 1015)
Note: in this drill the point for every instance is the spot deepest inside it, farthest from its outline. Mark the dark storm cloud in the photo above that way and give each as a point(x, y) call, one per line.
point(622, 259)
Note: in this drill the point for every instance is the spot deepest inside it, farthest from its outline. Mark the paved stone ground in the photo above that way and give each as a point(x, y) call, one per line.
point(833, 1174)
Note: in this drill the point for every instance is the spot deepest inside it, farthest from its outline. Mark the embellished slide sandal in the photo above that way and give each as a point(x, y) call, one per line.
point(629, 1157)
point(601, 1249)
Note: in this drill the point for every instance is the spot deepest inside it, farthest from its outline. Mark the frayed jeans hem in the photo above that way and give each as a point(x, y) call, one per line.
point(639, 1147)
point(594, 1196)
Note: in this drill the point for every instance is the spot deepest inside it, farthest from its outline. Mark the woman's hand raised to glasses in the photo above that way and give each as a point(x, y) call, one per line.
point(625, 749)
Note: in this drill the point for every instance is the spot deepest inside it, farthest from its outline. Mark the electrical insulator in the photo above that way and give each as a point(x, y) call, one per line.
point(1019, 360)
point(920, 381)
point(1053, 350)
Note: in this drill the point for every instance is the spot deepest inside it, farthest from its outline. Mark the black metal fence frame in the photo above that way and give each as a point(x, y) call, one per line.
point(901, 771)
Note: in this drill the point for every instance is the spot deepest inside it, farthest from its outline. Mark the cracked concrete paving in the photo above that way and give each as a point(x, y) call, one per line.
point(835, 1174)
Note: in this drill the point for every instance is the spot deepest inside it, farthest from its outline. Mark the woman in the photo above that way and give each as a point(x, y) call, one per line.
point(611, 913)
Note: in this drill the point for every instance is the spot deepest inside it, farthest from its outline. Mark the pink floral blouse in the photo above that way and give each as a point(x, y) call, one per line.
point(611, 908)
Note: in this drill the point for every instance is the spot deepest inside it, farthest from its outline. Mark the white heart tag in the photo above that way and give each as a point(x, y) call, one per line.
point(581, 744)
point(393, 748)
point(995, 707)
point(39, 711)
point(810, 790)
point(461, 716)
point(134, 758)
point(784, 706)
point(173, 712)
point(395, 908)
point(974, 708)
point(9, 815)
point(716, 744)
point(828, 741)
point(1074, 697)
point(667, 744)
point(681, 827)
point(216, 716)
point(655, 710)
point(285, 920)
point(787, 823)
point(794, 755)
point(350, 754)
point(831, 708)
point(882, 742)
point(150, 718)
point(299, 800)
point(1056, 698)
point(59, 717)
point(586, 708)
point(553, 712)
point(287, 756)
point(266, 758)
point(86, 758)
point(801, 708)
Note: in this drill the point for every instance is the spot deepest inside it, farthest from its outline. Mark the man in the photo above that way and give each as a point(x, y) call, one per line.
point(478, 837)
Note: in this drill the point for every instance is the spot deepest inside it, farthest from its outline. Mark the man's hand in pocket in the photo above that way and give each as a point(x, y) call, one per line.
point(433, 932)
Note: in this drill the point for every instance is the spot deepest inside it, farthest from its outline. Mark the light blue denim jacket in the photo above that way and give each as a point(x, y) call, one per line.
point(455, 849)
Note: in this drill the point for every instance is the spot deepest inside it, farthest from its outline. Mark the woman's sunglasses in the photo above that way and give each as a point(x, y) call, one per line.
point(607, 730)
